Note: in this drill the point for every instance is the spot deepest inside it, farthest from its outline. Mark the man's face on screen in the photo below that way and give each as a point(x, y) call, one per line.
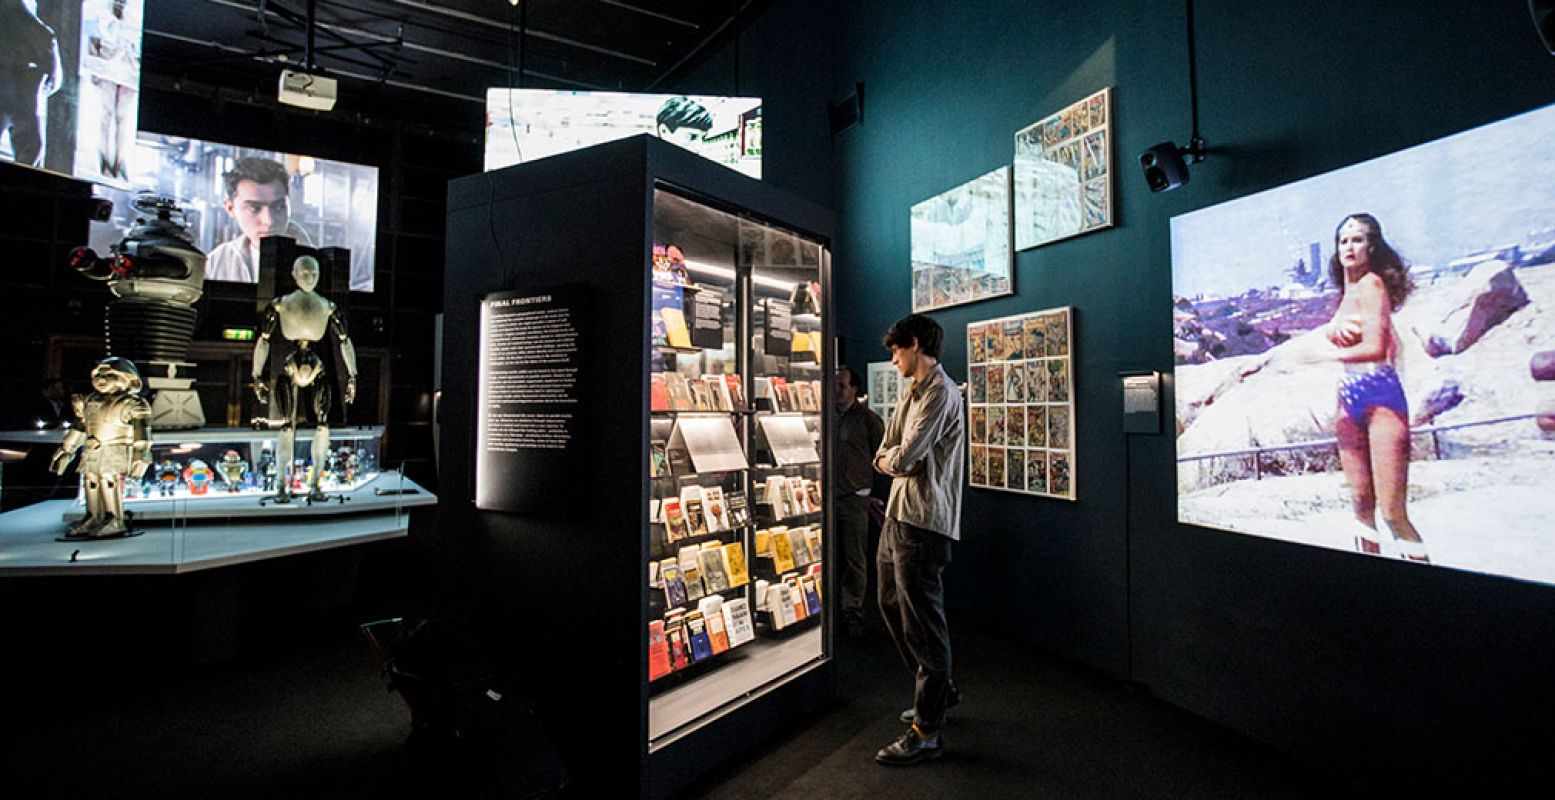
point(260, 209)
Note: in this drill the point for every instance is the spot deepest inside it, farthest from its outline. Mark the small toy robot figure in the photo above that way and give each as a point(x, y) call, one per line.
point(348, 465)
point(115, 440)
point(198, 475)
point(304, 318)
point(232, 469)
point(266, 469)
point(167, 475)
point(297, 477)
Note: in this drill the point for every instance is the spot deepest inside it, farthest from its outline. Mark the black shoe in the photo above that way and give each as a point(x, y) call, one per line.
point(910, 716)
point(908, 749)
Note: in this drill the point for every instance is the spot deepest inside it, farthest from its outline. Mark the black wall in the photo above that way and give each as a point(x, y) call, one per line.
point(1345, 660)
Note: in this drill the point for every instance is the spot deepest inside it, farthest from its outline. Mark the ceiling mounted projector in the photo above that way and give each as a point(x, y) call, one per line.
point(307, 91)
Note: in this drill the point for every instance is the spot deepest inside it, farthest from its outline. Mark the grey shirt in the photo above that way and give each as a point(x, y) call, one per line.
point(924, 440)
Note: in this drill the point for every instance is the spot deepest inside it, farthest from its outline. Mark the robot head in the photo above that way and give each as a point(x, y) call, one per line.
point(157, 260)
point(305, 270)
point(230, 455)
point(114, 374)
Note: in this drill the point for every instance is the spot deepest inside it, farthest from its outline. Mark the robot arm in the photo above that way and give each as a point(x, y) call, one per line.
point(139, 420)
point(262, 353)
point(347, 354)
point(74, 438)
point(67, 450)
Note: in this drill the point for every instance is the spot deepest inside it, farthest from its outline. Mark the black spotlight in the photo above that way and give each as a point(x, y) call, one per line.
point(1165, 166)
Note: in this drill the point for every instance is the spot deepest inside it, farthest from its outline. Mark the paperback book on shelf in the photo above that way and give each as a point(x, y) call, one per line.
point(734, 563)
point(674, 520)
point(736, 391)
point(775, 494)
point(780, 606)
point(739, 509)
point(812, 538)
point(737, 619)
point(696, 635)
point(716, 509)
point(675, 331)
point(675, 635)
point(796, 596)
point(781, 400)
point(782, 552)
point(690, 564)
point(679, 391)
point(691, 504)
point(674, 585)
point(713, 572)
point(700, 399)
point(658, 393)
point(719, 389)
point(658, 459)
point(812, 595)
point(805, 395)
point(800, 547)
point(797, 499)
point(717, 631)
point(658, 651)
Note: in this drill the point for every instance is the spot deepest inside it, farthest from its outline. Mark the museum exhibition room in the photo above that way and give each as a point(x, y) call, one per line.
point(645, 398)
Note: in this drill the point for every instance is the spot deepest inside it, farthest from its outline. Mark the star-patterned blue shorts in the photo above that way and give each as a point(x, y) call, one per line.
point(1379, 387)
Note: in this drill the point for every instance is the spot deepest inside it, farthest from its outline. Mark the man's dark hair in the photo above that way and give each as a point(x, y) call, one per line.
point(916, 328)
point(853, 377)
point(679, 112)
point(256, 169)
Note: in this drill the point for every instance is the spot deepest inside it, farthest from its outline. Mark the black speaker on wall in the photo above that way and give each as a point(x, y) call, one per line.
point(1543, 12)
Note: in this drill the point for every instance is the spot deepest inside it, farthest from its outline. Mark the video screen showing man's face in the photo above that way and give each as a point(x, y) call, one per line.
point(232, 197)
point(260, 209)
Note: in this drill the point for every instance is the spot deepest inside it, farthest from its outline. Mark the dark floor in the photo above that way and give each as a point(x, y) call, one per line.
point(1029, 725)
point(301, 709)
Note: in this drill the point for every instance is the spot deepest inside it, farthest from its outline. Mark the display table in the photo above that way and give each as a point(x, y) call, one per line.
point(182, 536)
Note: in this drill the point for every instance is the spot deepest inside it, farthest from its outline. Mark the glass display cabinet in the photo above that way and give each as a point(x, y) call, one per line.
point(206, 501)
point(639, 340)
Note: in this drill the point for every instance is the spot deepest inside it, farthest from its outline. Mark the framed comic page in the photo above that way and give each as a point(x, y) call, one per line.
point(886, 388)
point(1063, 173)
point(961, 244)
point(1020, 393)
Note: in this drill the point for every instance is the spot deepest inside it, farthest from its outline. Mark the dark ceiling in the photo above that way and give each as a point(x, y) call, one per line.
point(436, 58)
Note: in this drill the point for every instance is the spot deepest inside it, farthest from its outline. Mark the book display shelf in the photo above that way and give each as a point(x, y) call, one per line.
point(736, 515)
point(649, 472)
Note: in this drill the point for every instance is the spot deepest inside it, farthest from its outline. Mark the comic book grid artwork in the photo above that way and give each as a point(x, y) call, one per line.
point(1021, 390)
point(961, 244)
point(886, 388)
point(1063, 173)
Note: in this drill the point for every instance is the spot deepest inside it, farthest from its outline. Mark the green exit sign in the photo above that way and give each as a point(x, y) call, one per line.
point(238, 334)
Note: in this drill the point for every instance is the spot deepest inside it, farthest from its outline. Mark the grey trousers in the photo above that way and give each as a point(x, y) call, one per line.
point(853, 546)
point(912, 600)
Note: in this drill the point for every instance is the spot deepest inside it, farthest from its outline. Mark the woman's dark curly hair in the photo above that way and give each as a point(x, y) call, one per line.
point(1382, 258)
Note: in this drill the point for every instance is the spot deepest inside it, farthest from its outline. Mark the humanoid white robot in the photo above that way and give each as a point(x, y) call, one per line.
point(116, 437)
point(304, 319)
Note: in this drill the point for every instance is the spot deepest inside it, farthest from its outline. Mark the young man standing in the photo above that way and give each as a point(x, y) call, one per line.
point(922, 452)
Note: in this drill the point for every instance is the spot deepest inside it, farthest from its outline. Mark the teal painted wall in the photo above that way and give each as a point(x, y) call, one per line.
point(1345, 660)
